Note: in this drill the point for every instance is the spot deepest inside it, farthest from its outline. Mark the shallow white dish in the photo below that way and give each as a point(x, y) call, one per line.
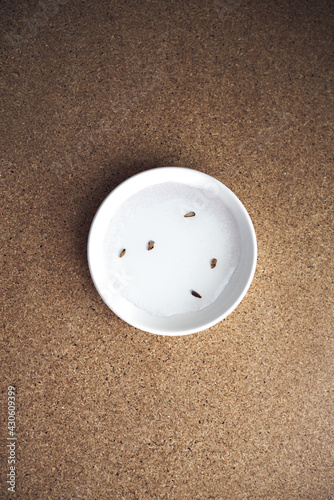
point(212, 253)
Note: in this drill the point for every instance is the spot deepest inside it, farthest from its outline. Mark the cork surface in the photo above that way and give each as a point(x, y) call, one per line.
point(92, 93)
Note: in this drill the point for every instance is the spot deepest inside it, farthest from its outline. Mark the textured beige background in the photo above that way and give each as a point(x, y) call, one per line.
point(93, 92)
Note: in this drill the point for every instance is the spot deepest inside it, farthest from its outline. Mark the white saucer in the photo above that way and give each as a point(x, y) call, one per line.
point(203, 257)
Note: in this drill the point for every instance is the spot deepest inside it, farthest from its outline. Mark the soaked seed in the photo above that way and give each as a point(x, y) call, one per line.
point(190, 214)
point(195, 294)
point(150, 245)
point(122, 253)
point(213, 263)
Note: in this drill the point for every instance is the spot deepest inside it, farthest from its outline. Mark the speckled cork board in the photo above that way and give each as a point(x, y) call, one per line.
point(92, 93)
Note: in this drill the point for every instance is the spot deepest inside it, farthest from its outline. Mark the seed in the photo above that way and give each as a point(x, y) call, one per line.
point(213, 263)
point(122, 253)
point(150, 245)
point(195, 294)
point(190, 214)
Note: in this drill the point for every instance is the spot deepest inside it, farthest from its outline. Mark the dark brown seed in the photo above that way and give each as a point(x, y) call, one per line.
point(122, 253)
point(213, 263)
point(150, 245)
point(195, 294)
point(190, 214)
